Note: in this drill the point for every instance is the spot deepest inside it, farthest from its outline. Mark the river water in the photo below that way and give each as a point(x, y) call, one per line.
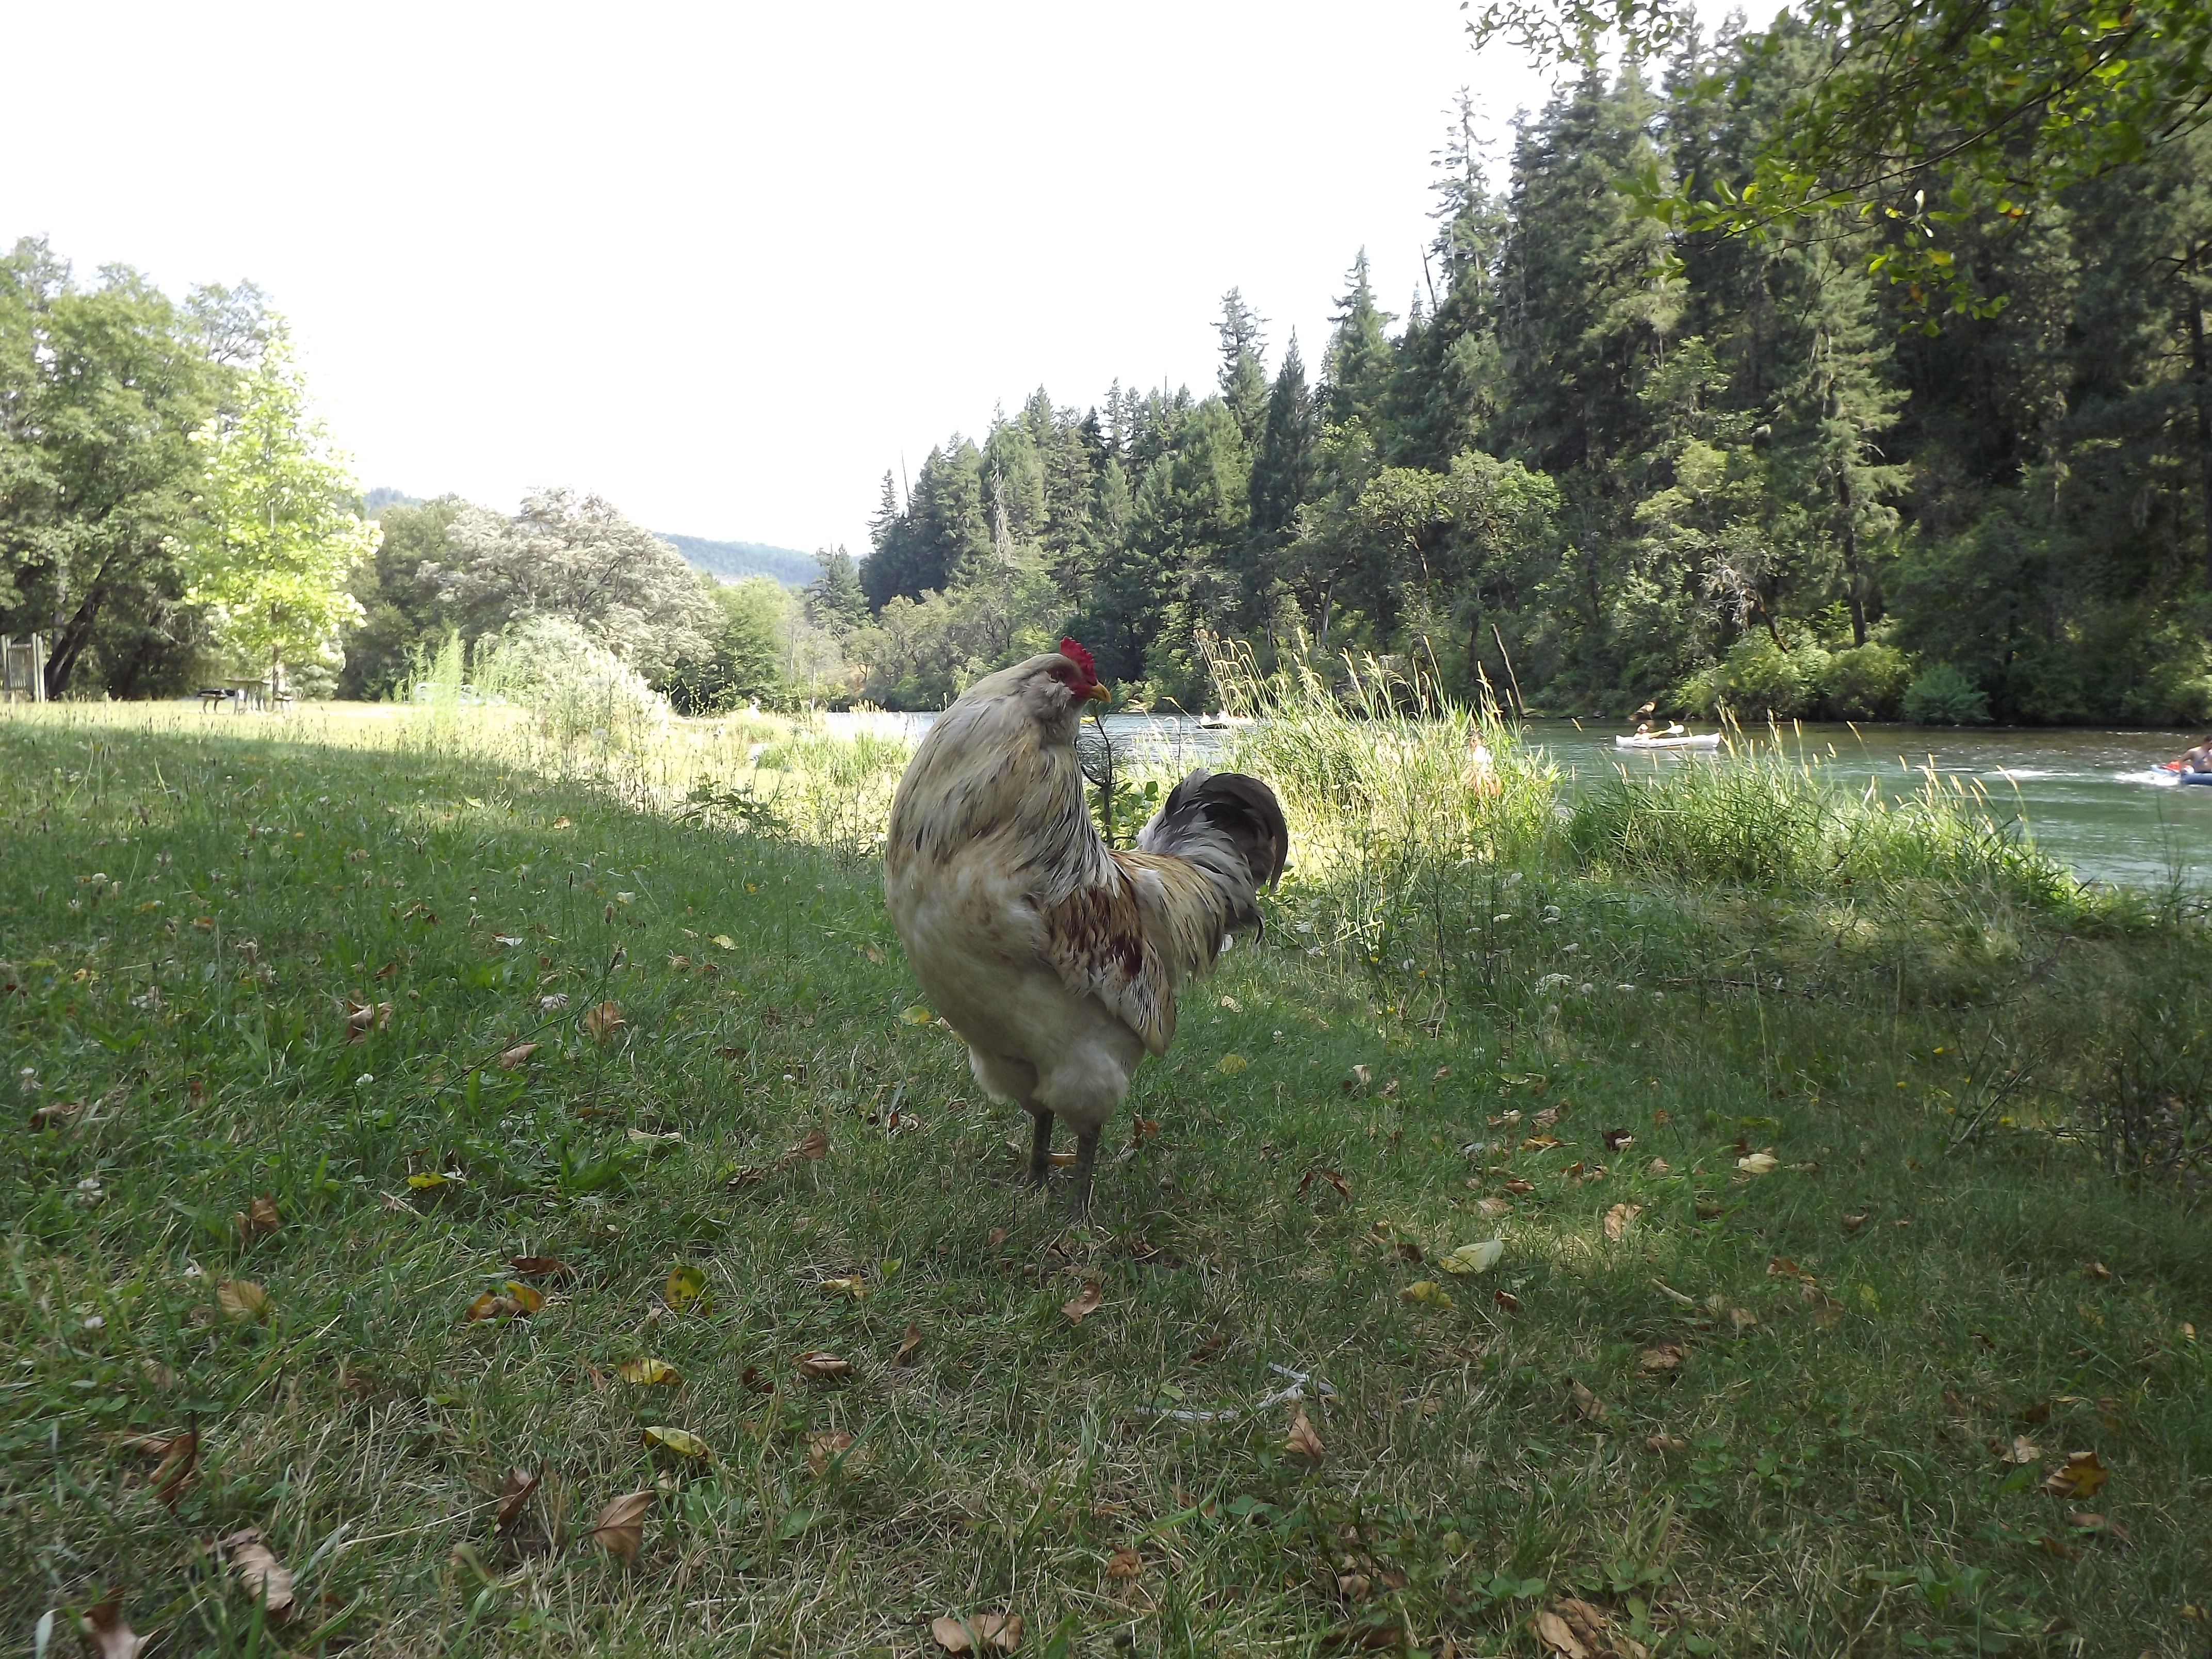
point(2088, 797)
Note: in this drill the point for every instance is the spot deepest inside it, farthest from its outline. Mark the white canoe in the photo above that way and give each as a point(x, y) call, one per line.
point(1710, 740)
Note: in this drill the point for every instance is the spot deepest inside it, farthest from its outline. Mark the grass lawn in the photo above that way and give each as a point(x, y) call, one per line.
point(1796, 1319)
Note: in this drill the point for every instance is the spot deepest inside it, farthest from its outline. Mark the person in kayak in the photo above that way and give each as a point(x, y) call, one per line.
point(1674, 729)
point(2198, 759)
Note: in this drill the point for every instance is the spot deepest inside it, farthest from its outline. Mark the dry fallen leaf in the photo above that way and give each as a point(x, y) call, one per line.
point(1520, 1189)
point(854, 1285)
point(241, 1299)
point(2086, 1522)
point(2023, 1450)
point(601, 1019)
point(257, 1218)
point(815, 1145)
point(513, 1493)
point(1343, 1187)
point(1302, 1440)
point(904, 1354)
point(110, 1634)
point(1587, 1406)
point(55, 1113)
point(620, 1529)
point(1620, 1218)
point(1758, 1163)
point(1427, 1291)
point(682, 1442)
point(823, 1366)
point(2080, 1476)
point(504, 1304)
point(1661, 1357)
point(541, 1267)
point(363, 1017)
point(826, 1448)
point(648, 1372)
point(1657, 1166)
point(1742, 1318)
point(518, 1056)
point(1086, 1302)
point(1002, 1630)
point(1492, 1209)
point(1506, 1301)
point(1124, 1564)
point(265, 1578)
point(1663, 1444)
point(179, 1454)
point(1555, 1634)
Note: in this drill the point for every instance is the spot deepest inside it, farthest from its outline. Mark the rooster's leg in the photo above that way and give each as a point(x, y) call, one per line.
point(1087, 1154)
point(1040, 1150)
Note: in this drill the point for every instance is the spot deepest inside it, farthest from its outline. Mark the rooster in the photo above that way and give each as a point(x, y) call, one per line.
point(1055, 958)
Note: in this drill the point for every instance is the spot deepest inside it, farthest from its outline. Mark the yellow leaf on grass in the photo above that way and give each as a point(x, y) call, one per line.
point(429, 1182)
point(1759, 1163)
point(1475, 1258)
point(1231, 1064)
point(1620, 1218)
point(648, 1372)
point(682, 1442)
point(1302, 1440)
point(601, 1019)
point(917, 1015)
point(620, 1529)
point(1002, 1630)
point(852, 1286)
point(723, 942)
point(1086, 1302)
point(684, 1288)
point(268, 1580)
point(241, 1299)
point(2078, 1477)
point(1426, 1291)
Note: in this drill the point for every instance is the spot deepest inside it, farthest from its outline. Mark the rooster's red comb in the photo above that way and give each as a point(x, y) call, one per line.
point(1076, 654)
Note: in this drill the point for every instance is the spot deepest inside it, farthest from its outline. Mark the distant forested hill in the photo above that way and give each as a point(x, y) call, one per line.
point(731, 560)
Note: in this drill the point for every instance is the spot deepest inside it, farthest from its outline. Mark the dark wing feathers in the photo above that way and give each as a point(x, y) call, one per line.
point(1242, 808)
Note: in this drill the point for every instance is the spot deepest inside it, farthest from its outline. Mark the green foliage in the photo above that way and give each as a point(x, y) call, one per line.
point(1864, 683)
point(403, 610)
point(1942, 695)
point(275, 539)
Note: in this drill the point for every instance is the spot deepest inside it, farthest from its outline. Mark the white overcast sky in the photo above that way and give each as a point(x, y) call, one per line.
point(724, 264)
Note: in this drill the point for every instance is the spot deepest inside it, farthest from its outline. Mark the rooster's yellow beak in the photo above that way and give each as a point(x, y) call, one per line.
point(1099, 693)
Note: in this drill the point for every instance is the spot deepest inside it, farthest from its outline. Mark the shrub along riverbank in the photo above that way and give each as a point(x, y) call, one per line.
point(1847, 1297)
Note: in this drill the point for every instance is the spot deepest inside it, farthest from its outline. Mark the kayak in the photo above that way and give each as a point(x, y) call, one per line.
point(2175, 772)
point(2192, 777)
point(1710, 740)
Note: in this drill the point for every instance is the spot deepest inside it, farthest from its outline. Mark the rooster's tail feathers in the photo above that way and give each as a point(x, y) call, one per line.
point(1208, 810)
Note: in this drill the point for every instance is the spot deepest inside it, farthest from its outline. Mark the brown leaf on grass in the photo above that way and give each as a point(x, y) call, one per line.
point(1520, 1189)
point(1491, 1209)
point(513, 1493)
point(1853, 1223)
point(1538, 1143)
point(1658, 1166)
point(905, 1353)
point(2096, 1270)
point(823, 1366)
point(1781, 1267)
point(1661, 1357)
point(2023, 1450)
point(515, 1299)
point(1361, 1076)
point(1616, 1139)
point(1742, 1318)
point(1142, 1130)
point(516, 1057)
point(826, 1448)
point(111, 1635)
point(2078, 1477)
point(1086, 1301)
point(1206, 1350)
point(1302, 1440)
point(1125, 1564)
point(648, 1372)
point(266, 1578)
point(257, 1218)
point(1559, 1637)
point(602, 1020)
point(620, 1529)
point(177, 1455)
point(1506, 1301)
point(241, 1299)
point(1587, 1406)
point(1664, 1443)
point(55, 1113)
point(815, 1145)
point(1620, 1218)
point(1002, 1630)
point(541, 1267)
point(1343, 1187)
point(2084, 1521)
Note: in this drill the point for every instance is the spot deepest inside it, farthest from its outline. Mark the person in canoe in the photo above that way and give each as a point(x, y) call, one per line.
point(1673, 729)
point(2198, 759)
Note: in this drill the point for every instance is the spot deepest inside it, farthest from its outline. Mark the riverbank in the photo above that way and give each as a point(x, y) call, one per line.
point(1814, 1276)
